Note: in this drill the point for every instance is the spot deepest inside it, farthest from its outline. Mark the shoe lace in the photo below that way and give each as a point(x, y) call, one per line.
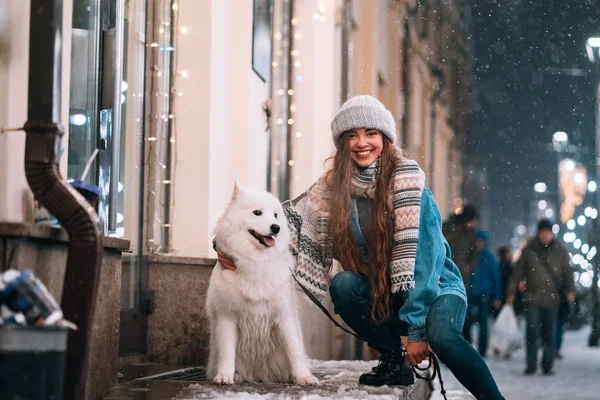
point(384, 358)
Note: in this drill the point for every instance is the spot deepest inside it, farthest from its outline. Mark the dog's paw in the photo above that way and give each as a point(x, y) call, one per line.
point(223, 379)
point(237, 378)
point(308, 380)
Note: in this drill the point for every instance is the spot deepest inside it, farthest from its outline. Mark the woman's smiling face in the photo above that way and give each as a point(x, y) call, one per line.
point(365, 145)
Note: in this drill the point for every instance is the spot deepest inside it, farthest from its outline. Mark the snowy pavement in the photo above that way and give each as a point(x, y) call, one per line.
point(577, 375)
point(338, 380)
point(577, 378)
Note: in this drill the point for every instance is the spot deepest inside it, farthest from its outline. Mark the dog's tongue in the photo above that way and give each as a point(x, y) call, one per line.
point(269, 241)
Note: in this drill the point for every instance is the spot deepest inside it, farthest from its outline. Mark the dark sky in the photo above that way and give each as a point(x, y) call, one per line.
point(533, 79)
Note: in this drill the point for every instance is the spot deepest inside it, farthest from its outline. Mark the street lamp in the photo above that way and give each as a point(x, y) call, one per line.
point(592, 47)
point(560, 138)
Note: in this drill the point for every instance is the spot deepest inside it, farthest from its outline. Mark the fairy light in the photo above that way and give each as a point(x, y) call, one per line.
point(293, 53)
point(163, 130)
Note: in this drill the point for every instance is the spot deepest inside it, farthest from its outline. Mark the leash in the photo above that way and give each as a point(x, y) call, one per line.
point(432, 357)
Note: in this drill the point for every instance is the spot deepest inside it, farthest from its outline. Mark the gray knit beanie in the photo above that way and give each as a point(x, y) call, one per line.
point(363, 112)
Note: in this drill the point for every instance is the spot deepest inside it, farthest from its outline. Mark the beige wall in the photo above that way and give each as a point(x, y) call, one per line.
point(314, 96)
point(14, 62)
point(220, 125)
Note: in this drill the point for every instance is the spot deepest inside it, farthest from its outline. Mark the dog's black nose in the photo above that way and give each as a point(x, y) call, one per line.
point(275, 229)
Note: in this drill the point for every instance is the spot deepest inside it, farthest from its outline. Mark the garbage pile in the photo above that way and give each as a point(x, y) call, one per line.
point(26, 301)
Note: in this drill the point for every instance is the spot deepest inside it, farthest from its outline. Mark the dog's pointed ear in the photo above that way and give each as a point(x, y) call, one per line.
point(237, 189)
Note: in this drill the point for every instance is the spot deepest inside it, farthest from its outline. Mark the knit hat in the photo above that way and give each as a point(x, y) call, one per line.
point(469, 213)
point(363, 112)
point(544, 225)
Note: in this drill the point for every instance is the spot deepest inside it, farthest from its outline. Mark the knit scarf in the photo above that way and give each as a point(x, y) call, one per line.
point(312, 242)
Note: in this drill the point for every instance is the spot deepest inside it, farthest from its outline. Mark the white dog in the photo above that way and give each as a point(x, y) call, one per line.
point(255, 332)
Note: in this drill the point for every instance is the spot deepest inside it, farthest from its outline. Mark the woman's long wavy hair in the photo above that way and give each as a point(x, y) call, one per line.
point(339, 180)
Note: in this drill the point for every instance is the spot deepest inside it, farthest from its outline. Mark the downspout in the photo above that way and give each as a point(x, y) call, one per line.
point(436, 73)
point(405, 80)
point(42, 146)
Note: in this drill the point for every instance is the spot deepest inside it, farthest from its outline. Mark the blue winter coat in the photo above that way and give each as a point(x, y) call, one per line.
point(485, 280)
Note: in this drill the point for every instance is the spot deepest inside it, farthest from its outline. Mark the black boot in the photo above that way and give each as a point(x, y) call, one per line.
point(393, 370)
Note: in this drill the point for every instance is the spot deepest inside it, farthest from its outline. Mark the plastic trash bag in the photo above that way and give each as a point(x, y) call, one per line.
point(506, 336)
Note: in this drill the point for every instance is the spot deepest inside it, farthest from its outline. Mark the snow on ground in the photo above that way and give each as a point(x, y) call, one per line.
point(577, 375)
point(338, 380)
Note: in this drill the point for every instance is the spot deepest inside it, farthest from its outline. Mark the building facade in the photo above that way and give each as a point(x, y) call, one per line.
point(183, 97)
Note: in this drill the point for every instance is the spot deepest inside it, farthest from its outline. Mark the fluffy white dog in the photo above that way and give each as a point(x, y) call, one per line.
point(255, 332)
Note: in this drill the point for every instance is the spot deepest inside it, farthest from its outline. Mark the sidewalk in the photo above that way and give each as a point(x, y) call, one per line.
point(577, 375)
point(338, 380)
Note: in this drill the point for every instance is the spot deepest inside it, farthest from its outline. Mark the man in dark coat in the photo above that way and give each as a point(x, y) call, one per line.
point(462, 238)
point(545, 267)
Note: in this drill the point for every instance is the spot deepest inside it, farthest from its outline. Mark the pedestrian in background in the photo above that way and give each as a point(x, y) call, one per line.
point(485, 292)
point(505, 257)
point(545, 266)
point(462, 237)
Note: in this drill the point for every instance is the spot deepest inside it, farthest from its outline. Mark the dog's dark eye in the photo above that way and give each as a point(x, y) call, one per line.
point(258, 213)
point(275, 215)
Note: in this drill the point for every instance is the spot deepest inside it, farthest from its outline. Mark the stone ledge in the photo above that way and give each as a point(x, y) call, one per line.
point(49, 233)
point(178, 260)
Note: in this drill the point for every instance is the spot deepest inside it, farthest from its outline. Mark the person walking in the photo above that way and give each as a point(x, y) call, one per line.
point(461, 234)
point(545, 266)
point(485, 293)
point(373, 213)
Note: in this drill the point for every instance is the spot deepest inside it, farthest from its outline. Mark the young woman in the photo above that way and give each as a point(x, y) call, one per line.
point(373, 213)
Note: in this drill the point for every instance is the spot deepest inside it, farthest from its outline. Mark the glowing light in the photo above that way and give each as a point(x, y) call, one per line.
point(592, 186)
point(542, 205)
point(581, 220)
point(571, 224)
point(540, 187)
point(570, 165)
point(78, 119)
point(560, 137)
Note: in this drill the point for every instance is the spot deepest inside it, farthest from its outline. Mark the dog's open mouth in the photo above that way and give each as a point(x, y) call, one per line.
point(267, 241)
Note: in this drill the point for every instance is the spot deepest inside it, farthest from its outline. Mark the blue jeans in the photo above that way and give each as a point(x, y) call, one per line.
point(478, 308)
point(351, 300)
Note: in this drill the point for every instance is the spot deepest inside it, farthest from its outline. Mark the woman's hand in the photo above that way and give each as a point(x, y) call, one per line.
point(417, 352)
point(225, 261)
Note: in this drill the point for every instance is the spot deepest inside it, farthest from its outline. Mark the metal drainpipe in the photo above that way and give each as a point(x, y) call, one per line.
point(405, 79)
point(347, 27)
point(42, 148)
point(167, 234)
